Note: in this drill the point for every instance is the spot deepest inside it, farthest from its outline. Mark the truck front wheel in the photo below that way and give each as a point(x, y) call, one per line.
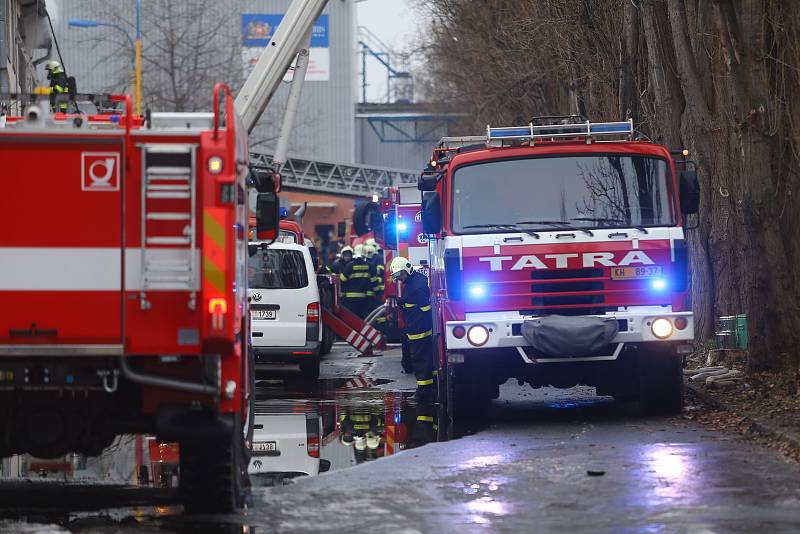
point(469, 395)
point(661, 381)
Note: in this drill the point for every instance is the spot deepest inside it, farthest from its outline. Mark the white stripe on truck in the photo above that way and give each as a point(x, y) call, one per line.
point(79, 269)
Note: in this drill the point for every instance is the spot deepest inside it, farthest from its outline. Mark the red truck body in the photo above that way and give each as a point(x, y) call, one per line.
point(125, 296)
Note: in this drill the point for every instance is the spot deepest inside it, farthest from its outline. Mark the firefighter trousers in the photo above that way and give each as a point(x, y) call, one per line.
point(421, 355)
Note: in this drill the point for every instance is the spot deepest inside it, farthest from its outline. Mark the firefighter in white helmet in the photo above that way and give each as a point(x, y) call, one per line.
point(416, 306)
point(344, 257)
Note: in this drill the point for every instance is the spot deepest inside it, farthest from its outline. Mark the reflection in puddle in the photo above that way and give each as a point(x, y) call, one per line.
point(307, 429)
point(671, 466)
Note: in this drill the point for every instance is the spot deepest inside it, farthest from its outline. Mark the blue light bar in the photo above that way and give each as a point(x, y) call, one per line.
point(612, 127)
point(509, 132)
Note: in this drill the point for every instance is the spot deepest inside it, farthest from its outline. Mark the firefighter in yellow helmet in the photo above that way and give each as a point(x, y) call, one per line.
point(376, 282)
point(416, 306)
point(356, 278)
point(59, 85)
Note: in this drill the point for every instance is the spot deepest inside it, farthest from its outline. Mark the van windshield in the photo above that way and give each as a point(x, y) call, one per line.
point(608, 191)
point(277, 269)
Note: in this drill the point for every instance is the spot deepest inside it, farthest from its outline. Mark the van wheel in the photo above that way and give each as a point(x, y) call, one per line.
point(310, 369)
point(661, 382)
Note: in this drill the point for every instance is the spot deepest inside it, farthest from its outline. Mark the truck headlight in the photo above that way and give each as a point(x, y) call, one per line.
point(478, 335)
point(661, 328)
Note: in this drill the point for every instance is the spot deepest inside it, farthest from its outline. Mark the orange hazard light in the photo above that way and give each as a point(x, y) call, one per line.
point(217, 305)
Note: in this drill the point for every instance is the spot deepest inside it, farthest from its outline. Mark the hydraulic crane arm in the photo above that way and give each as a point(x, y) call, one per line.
point(289, 38)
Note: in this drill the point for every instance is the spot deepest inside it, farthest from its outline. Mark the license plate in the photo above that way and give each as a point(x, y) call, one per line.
point(263, 314)
point(632, 273)
point(265, 446)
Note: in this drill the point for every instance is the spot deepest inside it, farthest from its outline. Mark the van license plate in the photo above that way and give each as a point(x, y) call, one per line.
point(263, 314)
point(265, 446)
point(632, 273)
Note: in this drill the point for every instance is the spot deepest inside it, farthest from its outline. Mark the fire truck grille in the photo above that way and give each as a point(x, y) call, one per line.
point(568, 288)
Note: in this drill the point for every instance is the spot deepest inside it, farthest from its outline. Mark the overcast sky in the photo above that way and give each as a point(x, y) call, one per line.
point(395, 23)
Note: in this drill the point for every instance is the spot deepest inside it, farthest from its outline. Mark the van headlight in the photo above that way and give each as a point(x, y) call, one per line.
point(661, 328)
point(478, 335)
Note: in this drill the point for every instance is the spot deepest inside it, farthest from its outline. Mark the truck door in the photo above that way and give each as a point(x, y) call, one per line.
point(60, 243)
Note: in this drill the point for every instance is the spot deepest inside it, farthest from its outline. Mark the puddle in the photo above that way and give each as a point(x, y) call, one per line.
point(300, 429)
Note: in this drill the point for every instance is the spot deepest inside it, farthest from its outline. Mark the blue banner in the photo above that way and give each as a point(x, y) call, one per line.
point(258, 29)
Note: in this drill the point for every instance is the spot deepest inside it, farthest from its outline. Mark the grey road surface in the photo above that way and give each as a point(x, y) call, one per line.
point(548, 461)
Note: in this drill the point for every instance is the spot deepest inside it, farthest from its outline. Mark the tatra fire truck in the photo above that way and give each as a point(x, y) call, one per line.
point(558, 257)
point(123, 277)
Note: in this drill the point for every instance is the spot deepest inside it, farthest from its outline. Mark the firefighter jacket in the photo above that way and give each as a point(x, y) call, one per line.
point(59, 86)
point(356, 279)
point(377, 280)
point(416, 306)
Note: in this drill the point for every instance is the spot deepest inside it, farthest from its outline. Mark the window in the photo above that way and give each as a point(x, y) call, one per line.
point(550, 192)
point(277, 269)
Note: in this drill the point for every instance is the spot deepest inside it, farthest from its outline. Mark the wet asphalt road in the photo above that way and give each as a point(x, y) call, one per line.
point(549, 461)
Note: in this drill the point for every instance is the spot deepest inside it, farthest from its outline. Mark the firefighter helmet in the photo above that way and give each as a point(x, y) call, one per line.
point(347, 249)
point(369, 251)
point(53, 66)
point(371, 241)
point(358, 252)
point(398, 265)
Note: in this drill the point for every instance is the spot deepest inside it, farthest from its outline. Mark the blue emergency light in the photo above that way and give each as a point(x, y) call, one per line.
point(477, 291)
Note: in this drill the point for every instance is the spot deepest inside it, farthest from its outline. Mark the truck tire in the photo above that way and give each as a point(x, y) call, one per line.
point(326, 301)
point(213, 475)
point(661, 382)
point(468, 394)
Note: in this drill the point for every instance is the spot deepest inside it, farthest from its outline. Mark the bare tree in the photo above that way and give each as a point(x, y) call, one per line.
point(188, 46)
point(719, 77)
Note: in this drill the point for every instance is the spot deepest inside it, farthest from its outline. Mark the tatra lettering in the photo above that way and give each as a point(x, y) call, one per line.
point(605, 259)
point(528, 261)
point(636, 256)
point(495, 262)
point(562, 260)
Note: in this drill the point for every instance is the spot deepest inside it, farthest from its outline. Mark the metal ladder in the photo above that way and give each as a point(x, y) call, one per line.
point(169, 197)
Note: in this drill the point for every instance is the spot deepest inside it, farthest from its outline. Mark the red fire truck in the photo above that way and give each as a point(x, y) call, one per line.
point(558, 257)
point(125, 311)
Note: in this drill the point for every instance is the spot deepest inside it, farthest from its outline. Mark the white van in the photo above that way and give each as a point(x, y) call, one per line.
point(284, 307)
point(286, 445)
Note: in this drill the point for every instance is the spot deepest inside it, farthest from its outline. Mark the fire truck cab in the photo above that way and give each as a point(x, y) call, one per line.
point(558, 257)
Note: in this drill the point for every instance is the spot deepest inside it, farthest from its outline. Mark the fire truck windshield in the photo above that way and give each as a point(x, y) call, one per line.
point(609, 191)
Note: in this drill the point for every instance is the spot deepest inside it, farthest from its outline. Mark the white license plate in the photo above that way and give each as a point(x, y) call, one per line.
point(632, 273)
point(265, 446)
point(263, 314)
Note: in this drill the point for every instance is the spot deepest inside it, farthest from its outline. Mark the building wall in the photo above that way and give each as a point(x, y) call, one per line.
point(324, 128)
point(24, 40)
point(390, 152)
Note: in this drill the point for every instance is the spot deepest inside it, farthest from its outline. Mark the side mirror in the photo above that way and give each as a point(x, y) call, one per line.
point(690, 192)
point(267, 217)
point(431, 213)
point(428, 181)
point(362, 217)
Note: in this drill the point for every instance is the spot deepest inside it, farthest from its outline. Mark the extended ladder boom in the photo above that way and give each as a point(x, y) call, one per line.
point(268, 73)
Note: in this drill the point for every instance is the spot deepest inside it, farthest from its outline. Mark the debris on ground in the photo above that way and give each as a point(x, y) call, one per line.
point(764, 406)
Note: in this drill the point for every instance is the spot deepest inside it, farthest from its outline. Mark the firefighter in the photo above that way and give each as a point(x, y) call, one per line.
point(356, 279)
point(343, 258)
point(59, 85)
point(376, 282)
point(416, 306)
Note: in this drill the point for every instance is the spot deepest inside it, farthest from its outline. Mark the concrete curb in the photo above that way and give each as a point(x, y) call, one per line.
point(756, 427)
